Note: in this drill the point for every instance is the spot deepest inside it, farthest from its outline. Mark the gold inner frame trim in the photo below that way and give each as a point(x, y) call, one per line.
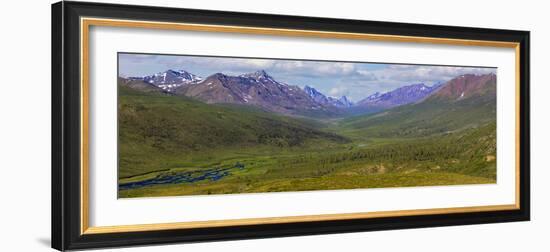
point(289, 219)
point(86, 23)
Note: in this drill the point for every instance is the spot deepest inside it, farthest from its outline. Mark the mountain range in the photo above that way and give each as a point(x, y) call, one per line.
point(170, 80)
point(467, 101)
point(397, 97)
point(257, 89)
point(342, 102)
point(261, 90)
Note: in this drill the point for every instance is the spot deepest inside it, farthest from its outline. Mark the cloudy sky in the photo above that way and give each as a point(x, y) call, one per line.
point(355, 80)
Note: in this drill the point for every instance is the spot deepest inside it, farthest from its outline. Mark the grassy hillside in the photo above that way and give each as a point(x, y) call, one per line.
point(432, 116)
point(158, 131)
point(467, 157)
point(172, 145)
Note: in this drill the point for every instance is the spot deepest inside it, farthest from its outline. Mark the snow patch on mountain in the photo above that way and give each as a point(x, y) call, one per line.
point(171, 79)
point(400, 96)
point(342, 102)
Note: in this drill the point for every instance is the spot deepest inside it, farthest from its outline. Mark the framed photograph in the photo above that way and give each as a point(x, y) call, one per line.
point(183, 125)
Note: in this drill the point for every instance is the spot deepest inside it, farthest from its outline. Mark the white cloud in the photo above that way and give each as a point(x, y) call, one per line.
point(338, 91)
point(289, 67)
point(367, 75)
point(309, 68)
point(428, 74)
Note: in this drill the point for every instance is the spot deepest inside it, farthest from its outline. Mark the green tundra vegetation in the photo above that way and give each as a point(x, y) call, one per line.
point(172, 145)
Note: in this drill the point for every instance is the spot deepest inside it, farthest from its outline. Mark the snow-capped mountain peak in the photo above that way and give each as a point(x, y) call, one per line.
point(170, 79)
point(399, 96)
point(342, 102)
point(345, 101)
point(373, 96)
point(259, 75)
point(316, 95)
point(182, 74)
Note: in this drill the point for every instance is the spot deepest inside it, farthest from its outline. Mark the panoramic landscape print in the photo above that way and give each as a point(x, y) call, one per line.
point(199, 125)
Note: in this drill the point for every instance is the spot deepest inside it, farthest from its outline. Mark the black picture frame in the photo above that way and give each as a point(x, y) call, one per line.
point(66, 155)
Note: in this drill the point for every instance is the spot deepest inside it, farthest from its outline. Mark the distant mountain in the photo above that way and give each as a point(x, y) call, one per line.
point(260, 75)
point(316, 95)
point(467, 101)
point(140, 85)
point(258, 89)
point(170, 80)
point(261, 90)
point(397, 97)
point(342, 102)
point(466, 86)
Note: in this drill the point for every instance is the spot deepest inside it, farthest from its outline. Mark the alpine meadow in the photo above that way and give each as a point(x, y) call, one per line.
point(198, 125)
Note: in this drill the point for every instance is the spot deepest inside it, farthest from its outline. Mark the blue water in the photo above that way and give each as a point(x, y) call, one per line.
point(212, 174)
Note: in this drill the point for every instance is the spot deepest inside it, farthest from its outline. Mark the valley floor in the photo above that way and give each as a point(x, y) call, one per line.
point(379, 163)
point(277, 154)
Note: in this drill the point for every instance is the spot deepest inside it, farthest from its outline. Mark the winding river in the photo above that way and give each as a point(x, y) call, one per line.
point(212, 174)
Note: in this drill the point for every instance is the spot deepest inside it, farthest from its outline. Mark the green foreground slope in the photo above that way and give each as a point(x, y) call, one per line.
point(159, 131)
